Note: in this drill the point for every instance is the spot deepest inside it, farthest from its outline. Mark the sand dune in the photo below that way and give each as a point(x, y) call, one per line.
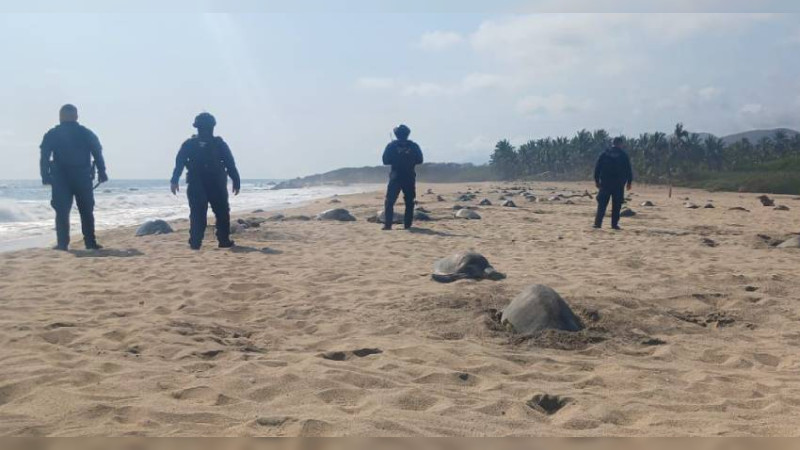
point(325, 328)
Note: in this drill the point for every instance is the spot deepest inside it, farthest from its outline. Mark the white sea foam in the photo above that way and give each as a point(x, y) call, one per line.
point(29, 216)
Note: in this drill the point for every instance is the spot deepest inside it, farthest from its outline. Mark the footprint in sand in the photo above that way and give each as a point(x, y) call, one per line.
point(548, 404)
point(345, 355)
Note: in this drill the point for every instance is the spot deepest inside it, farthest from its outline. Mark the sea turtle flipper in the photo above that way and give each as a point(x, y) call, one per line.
point(446, 278)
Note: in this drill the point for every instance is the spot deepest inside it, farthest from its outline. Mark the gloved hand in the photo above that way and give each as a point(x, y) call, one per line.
point(46, 181)
point(102, 177)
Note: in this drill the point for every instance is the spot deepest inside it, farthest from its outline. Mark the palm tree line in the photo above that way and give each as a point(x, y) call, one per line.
point(656, 157)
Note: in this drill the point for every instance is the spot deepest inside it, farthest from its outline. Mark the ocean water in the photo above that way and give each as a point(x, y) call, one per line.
point(27, 220)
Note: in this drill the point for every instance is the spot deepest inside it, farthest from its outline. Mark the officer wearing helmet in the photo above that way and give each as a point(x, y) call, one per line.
point(403, 155)
point(209, 162)
point(66, 164)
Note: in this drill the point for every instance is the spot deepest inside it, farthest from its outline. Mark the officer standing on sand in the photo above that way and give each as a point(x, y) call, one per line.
point(611, 174)
point(70, 173)
point(402, 154)
point(209, 163)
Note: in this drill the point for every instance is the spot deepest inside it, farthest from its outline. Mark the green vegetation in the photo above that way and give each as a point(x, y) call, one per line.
point(683, 158)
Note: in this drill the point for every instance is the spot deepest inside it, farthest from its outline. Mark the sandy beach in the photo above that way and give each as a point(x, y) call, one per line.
point(320, 328)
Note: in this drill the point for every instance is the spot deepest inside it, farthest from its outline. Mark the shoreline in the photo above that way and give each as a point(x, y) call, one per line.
point(45, 241)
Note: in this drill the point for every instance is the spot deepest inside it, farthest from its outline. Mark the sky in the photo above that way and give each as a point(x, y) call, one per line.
point(308, 86)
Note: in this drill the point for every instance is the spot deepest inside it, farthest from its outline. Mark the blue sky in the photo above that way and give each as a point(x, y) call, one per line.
point(305, 87)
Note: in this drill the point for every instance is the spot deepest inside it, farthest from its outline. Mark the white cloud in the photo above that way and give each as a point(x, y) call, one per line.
point(752, 108)
point(554, 104)
point(470, 83)
point(709, 92)
point(375, 83)
point(439, 40)
point(550, 44)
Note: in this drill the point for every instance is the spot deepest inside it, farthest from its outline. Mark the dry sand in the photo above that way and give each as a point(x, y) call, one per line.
point(151, 338)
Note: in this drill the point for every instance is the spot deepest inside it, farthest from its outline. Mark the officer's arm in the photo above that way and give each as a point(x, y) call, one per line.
point(97, 154)
point(180, 163)
point(628, 169)
point(597, 168)
point(387, 155)
point(418, 159)
point(230, 165)
point(46, 150)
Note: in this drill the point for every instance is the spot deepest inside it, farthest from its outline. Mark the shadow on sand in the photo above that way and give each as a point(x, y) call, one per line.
point(107, 253)
point(429, 232)
point(265, 250)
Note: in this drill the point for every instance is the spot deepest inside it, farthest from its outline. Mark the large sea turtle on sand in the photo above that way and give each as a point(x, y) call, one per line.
point(793, 242)
point(462, 265)
point(340, 214)
point(467, 214)
point(153, 227)
point(538, 308)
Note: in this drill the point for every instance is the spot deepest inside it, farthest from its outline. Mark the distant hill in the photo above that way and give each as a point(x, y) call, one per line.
point(756, 135)
point(428, 172)
point(753, 135)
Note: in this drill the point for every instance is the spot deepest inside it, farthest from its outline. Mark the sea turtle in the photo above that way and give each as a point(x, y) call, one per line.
point(648, 203)
point(509, 204)
point(157, 226)
point(709, 206)
point(766, 201)
point(252, 222)
point(465, 198)
point(690, 205)
point(485, 202)
point(627, 212)
point(781, 208)
point(463, 265)
point(467, 214)
point(339, 214)
point(791, 243)
point(439, 198)
point(538, 308)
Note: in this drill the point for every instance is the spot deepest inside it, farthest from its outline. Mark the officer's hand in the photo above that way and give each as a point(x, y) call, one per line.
point(46, 181)
point(630, 185)
point(102, 177)
point(235, 190)
point(175, 188)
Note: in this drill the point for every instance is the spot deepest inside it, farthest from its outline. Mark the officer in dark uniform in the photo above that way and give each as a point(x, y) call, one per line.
point(611, 174)
point(209, 163)
point(402, 154)
point(70, 172)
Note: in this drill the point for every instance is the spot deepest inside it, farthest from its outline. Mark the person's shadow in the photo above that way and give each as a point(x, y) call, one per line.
point(429, 232)
point(107, 253)
point(245, 249)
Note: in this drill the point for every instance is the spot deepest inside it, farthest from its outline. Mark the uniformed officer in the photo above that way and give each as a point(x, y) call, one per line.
point(209, 163)
point(403, 155)
point(66, 165)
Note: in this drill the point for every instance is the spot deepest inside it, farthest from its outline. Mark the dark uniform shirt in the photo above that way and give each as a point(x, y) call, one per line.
point(613, 168)
point(72, 147)
point(402, 155)
point(205, 159)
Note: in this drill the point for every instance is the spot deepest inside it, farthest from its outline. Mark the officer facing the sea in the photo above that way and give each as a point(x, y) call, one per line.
point(209, 163)
point(403, 155)
point(65, 163)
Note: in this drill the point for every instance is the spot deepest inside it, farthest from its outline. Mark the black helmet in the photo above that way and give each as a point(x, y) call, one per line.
point(402, 132)
point(205, 120)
